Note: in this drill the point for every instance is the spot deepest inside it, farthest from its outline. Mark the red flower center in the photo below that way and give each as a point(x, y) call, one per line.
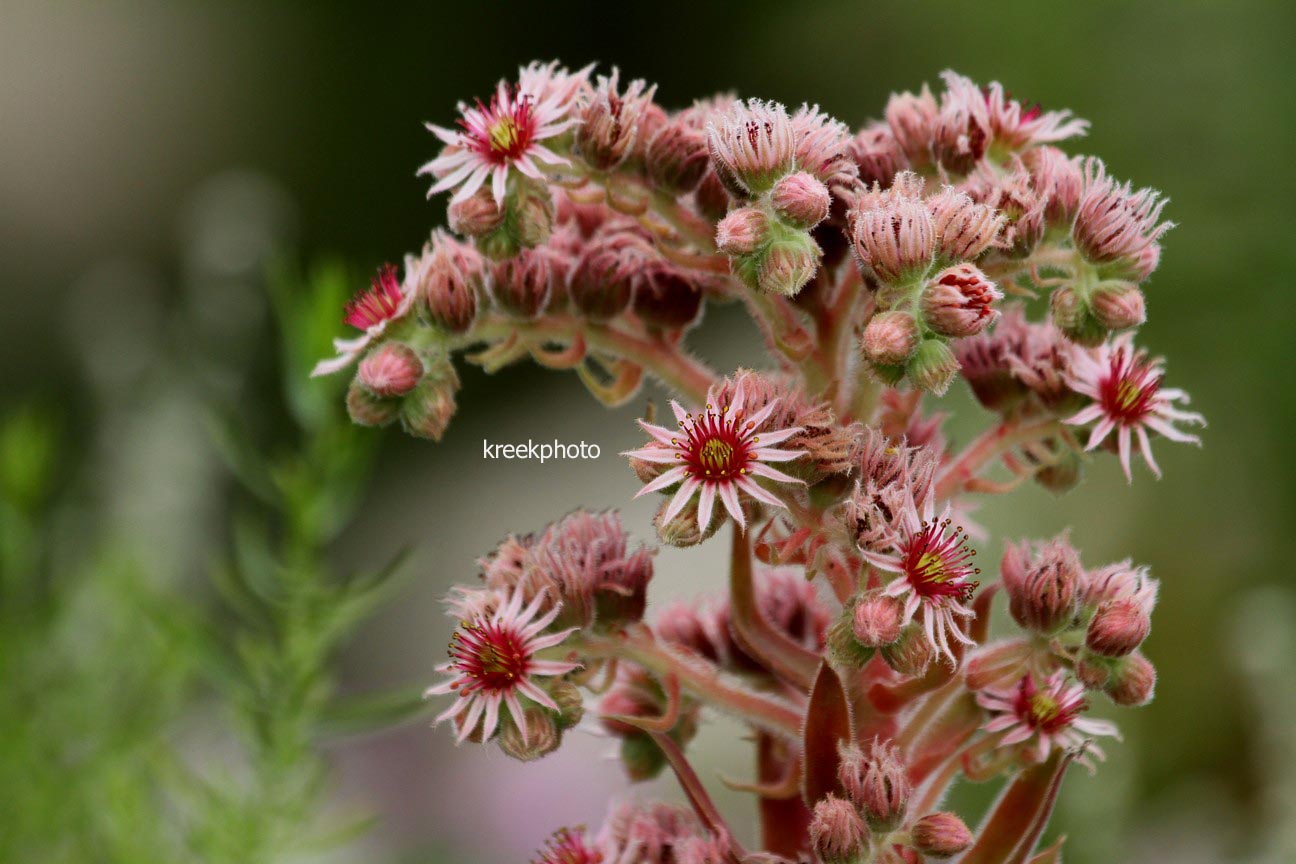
point(380, 303)
point(568, 847)
point(489, 656)
point(1127, 393)
point(505, 130)
point(1043, 710)
point(716, 446)
point(938, 562)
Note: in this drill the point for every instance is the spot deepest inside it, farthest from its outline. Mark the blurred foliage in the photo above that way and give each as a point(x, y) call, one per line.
point(110, 673)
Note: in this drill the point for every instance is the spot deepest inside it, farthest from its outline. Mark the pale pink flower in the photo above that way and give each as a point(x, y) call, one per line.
point(1121, 581)
point(506, 133)
point(934, 566)
point(1048, 717)
point(717, 452)
point(568, 846)
point(1125, 386)
point(387, 300)
point(493, 661)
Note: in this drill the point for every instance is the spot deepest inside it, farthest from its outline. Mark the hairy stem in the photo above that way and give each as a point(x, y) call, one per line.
point(775, 650)
point(987, 447)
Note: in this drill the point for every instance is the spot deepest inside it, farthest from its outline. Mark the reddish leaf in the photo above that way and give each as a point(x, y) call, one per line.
point(1051, 855)
point(1014, 825)
point(827, 726)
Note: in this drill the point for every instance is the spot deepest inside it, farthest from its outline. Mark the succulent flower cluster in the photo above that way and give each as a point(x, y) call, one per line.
point(589, 228)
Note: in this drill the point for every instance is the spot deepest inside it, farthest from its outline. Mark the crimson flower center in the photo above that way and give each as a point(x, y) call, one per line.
point(1128, 391)
point(938, 562)
point(505, 129)
point(1042, 710)
point(489, 656)
point(716, 446)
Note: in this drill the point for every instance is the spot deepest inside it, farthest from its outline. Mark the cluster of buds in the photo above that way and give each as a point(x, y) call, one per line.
point(778, 169)
point(591, 227)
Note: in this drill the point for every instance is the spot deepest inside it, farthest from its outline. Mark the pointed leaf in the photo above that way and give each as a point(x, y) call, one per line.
point(827, 726)
point(1015, 823)
point(1051, 855)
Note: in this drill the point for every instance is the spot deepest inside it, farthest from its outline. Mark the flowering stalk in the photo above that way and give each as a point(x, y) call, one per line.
point(952, 241)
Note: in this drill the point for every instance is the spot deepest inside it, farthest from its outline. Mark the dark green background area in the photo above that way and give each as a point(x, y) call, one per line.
point(114, 118)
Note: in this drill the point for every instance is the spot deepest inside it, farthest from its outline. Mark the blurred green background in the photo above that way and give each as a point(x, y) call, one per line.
point(157, 158)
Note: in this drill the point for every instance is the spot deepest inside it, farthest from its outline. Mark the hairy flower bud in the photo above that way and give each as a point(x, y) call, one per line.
point(958, 301)
point(1057, 177)
point(752, 145)
point(890, 338)
point(1044, 588)
point(677, 157)
point(964, 228)
point(475, 216)
point(609, 121)
point(426, 411)
point(666, 298)
point(446, 278)
point(1072, 314)
point(571, 704)
point(742, 232)
point(877, 619)
point(940, 835)
point(391, 369)
point(542, 736)
point(1118, 628)
point(878, 155)
point(932, 367)
point(837, 833)
point(1118, 305)
point(523, 285)
point(681, 530)
point(801, 199)
point(877, 782)
point(1116, 225)
point(912, 120)
point(895, 242)
point(1132, 681)
point(788, 264)
point(844, 650)
point(602, 282)
point(530, 216)
point(366, 408)
point(911, 654)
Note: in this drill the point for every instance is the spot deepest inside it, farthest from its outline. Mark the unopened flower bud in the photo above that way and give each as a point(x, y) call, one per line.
point(911, 654)
point(1118, 305)
point(742, 232)
point(609, 122)
point(1043, 589)
point(801, 199)
point(959, 301)
point(712, 197)
point(1115, 226)
point(530, 215)
point(788, 264)
point(932, 367)
point(523, 285)
point(641, 758)
point(844, 650)
point(1073, 315)
point(964, 228)
point(367, 408)
point(940, 835)
point(877, 619)
point(426, 411)
point(571, 705)
point(837, 833)
point(666, 298)
point(542, 736)
point(1062, 474)
point(890, 338)
point(602, 282)
point(446, 282)
point(912, 120)
point(1118, 628)
point(391, 369)
point(681, 530)
point(1059, 178)
point(878, 155)
point(877, 782)
point(1093, 671)
point(752, 145)
point(896, 242)
point(677, 157)
point(1132, 681)
point(477, 215)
